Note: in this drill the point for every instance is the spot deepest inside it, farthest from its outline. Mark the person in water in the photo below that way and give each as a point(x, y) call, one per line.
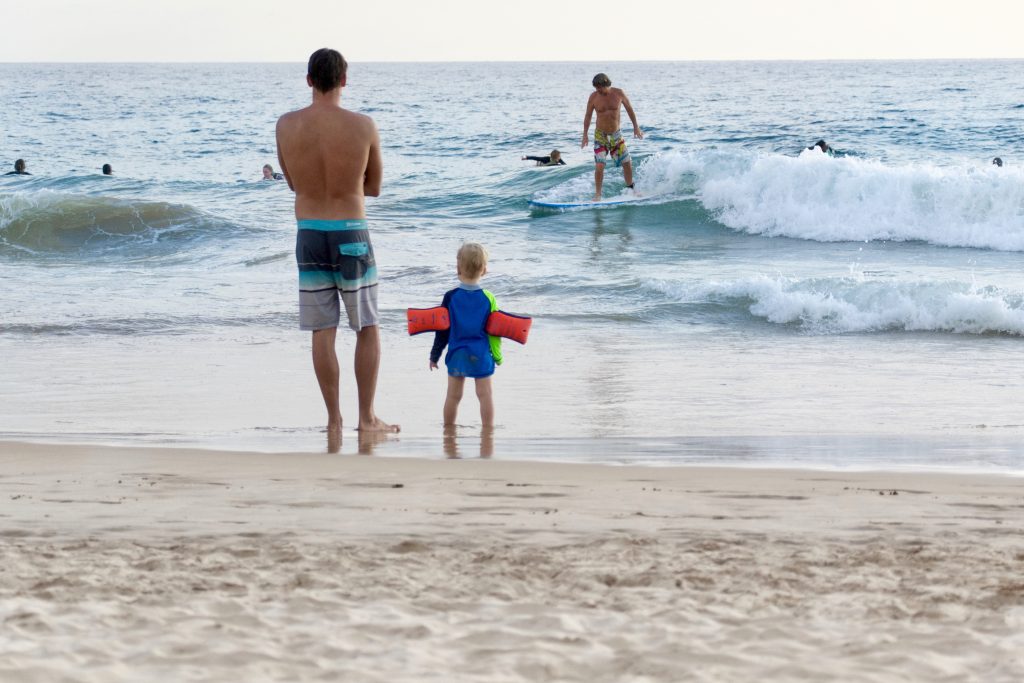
point(471, 351)
point(19, 168)
point(824, 147)
point(331, 158)
point(553, 159)
point(608, 142)
point(269, 174)
point(997, 162)
point(107, 169)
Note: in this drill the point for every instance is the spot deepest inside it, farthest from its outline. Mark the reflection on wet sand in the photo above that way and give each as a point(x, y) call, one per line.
point(367, 441)
point(451, 442)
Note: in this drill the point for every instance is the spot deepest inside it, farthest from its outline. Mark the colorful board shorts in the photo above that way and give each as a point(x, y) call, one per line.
point(610, 145)
point(335, 259)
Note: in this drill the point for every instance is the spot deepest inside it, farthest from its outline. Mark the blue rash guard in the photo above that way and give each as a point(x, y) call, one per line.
point(471, 351)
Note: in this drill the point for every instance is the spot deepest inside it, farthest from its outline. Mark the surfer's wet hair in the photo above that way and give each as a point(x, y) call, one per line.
point(19, 165)
point(327, 69)
point(997, 161)
point(601, 81)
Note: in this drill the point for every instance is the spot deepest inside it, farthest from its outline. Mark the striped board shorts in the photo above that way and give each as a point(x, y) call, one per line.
point(335, 260)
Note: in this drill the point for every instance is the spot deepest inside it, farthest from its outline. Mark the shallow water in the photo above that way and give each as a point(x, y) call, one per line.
point(761, 294)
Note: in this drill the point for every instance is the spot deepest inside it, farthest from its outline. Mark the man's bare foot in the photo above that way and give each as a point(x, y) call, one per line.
point(377, 425)
point(333, 437)
point(596, 198)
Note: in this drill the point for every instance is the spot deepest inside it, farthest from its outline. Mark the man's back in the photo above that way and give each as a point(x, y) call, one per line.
point(331, 158)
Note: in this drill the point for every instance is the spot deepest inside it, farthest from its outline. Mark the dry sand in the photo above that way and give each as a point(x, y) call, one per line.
point(172, 565)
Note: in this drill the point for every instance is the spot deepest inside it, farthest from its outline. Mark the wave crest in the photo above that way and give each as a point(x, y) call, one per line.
point(845, 305)
point(815, 197)
point(48, 222)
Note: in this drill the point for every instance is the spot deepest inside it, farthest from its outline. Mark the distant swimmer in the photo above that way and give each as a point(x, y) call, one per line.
point(268, 173)
point(107, 170)
point(824, 147)
point(997, 162)
point(19, 168)
point(553, 159)
point(608, 142)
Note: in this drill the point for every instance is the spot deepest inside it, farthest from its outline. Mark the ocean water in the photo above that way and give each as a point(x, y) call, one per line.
point(765, 305)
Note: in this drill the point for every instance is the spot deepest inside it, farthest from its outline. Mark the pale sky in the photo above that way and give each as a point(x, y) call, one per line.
point(510, 30)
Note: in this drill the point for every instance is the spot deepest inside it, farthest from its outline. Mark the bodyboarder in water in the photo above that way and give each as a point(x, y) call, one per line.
point(553, 159)
point(608, 142)
point(331, 158)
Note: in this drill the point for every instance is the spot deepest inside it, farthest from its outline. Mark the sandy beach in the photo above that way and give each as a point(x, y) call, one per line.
point(125, 564)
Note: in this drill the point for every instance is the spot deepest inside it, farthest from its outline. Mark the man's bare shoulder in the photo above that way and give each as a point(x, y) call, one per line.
point(292, 117)
point(618, 92)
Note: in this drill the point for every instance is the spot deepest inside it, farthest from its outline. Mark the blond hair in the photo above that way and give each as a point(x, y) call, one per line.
point(472, 259)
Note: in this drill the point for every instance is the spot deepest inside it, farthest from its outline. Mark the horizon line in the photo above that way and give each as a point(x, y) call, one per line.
point(542, 61)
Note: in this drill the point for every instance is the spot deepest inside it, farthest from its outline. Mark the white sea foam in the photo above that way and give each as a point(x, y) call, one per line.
point(826, 199)
point(839, 305)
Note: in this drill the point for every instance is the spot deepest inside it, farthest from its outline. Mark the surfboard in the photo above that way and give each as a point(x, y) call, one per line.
point(614, 201)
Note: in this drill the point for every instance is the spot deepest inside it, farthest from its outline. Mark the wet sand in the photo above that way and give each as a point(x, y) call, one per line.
point(129, 564)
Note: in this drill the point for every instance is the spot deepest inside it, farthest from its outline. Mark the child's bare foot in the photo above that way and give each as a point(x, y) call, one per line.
point(377, 425)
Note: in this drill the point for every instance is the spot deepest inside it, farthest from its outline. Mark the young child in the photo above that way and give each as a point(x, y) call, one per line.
point(471, 351)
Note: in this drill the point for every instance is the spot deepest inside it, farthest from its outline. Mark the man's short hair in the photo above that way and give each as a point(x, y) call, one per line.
point(472, 259)
point(268, 167)
point(601, 81)
point(19, 165)
point(326, 69)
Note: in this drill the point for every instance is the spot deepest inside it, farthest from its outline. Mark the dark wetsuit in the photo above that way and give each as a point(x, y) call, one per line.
point(546, 161)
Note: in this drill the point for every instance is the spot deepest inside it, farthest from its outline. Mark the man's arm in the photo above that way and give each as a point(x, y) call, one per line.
point(586, 121)
point(374, 166)
point(280, 156)
point(637, 133)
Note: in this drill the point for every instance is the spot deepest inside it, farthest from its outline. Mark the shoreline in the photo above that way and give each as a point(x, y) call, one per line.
point(844, 453)
point(138, 563)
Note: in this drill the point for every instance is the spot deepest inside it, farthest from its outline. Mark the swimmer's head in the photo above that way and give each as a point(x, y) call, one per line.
point(998, 162)
point(555, 155)
point(326, 70)
point(268, 171)
point(107, 170)
point(472, 260)
point(822, 145)
point(601, 81)
point(19, 165)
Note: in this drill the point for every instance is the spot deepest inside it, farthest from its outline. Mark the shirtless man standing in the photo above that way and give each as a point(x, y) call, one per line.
point(608, 141)
point(331, 160)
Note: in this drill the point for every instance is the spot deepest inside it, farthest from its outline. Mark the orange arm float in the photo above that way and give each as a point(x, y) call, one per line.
point(427, 319)
point(509, 325)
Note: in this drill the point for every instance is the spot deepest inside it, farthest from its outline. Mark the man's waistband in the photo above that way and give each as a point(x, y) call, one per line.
point(331, 225)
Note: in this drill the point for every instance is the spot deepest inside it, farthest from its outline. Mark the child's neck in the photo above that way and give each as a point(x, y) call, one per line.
point(470, 281)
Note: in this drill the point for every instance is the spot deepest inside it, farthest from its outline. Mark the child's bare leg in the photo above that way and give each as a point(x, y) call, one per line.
point(483, 393)
point(451, 401)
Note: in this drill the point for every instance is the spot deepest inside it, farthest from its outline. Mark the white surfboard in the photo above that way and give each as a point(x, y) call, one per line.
point(588, 204)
